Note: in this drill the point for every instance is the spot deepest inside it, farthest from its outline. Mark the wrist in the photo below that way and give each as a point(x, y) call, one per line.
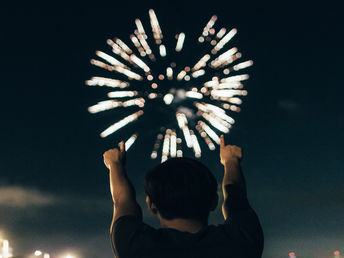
point(231, 161)
point(116, 165)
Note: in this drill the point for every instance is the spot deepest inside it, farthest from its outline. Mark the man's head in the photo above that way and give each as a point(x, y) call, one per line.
point(181, 188)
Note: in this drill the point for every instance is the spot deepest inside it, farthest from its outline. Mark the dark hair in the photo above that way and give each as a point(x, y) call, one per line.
point(181, 188)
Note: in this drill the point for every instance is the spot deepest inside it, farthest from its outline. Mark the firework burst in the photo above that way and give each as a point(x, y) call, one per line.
point(188, 102)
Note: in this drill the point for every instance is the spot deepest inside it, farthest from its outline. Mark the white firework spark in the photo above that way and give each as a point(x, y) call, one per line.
point(195, 97)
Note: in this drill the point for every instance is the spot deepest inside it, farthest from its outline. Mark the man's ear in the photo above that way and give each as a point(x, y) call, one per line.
point(214, 202)
point(151, 206)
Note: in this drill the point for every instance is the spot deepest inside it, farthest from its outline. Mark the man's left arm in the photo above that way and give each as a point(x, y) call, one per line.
point(122, 190)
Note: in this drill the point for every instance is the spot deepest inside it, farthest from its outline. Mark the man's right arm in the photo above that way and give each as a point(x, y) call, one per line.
point(233, 178)
point(244, 224)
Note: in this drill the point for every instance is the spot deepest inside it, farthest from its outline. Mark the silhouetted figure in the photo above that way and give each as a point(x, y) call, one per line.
point(181, 192)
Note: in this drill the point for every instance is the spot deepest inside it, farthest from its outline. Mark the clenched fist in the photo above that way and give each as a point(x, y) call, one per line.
point(229, 153)
point(115, 156)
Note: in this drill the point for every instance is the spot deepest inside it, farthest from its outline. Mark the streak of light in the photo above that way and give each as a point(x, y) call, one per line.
point(157, 34)
point(224, 41)
point(183, 125)
point(228, 93)
point(157, 144)
point(137, 44)
point(211, 83)
point(243, 65)
point(194, 95)
point(201, 63)
point(209, 25)
point(230, 85)
point(180, 42)
point(145, 46)
point(139, 26)
point(122, 94)
point(169, 73)
point(104, 105)
point(221, 33)
point(101, 81)
point(134, 102)
point(116, 126)
point(224, 58)
point(123, 46)
point(241, 77)
point(142, 36)
point(181, 75)
point(109, 59)
point(140, 63)
point(195, 145)
point(128, 73)
point(130, 141)
point(166, 145)
point(231, 59)
point(198, 73)
point(168, 98)
point(219, 112)
point(118, 50)
point(181, 119)
point(162, 50)
point(231, 107)
point(204, 135)
point(102, 65)
point(209, 131)
point(216, 123)
point(173, 147)
point(235, 101)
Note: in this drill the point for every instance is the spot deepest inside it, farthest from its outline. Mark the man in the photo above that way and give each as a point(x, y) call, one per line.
point(181, 192)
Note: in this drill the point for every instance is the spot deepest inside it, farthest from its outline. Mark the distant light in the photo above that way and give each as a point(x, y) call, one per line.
point(336, 252)
point(154, 85)
point(292, 255)
point(38, 253)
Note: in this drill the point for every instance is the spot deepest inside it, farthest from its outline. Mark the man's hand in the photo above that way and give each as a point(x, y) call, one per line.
point(229, 153)
point(115, 156)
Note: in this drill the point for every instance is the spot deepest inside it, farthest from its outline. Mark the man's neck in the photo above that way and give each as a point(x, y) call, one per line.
point(184, 225)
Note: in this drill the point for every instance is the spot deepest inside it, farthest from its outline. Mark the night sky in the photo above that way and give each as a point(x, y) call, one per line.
point(54, 192)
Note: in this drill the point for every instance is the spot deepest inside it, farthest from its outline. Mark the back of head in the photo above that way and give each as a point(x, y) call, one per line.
point(182, 188)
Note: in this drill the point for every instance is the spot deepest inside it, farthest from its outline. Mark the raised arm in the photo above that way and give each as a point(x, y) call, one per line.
point(122, 191)
point(230, 156)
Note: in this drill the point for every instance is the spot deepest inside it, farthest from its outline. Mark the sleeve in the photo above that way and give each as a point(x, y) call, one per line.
point(128, 236)
point(242, 224)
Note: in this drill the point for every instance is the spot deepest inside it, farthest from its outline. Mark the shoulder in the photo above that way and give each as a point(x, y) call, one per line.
point(129, 234)
point(243, 227)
